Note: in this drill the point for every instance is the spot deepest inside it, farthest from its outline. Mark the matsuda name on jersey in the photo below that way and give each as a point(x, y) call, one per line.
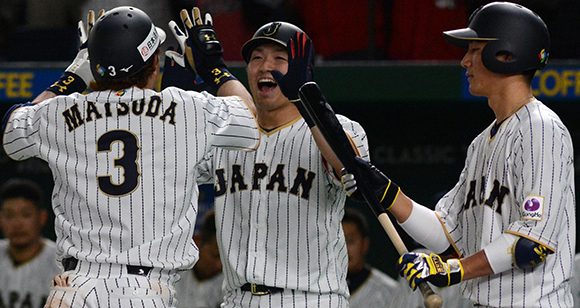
point(95, 111)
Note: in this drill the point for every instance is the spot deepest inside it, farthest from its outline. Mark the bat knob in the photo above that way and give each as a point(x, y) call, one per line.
point(433, 301)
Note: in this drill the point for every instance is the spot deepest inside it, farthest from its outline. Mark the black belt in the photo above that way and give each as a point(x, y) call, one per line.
point(71, 263)
point(258, 289)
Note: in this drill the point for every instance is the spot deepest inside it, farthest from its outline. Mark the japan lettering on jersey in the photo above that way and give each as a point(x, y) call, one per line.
point(520, 181)
point(124, 167)
point(279, 212)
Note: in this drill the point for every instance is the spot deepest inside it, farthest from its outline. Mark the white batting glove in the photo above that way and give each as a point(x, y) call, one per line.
point(77, 76)
point(181, 38)
point(178, 57)
point(81, 65)
point(348, 182)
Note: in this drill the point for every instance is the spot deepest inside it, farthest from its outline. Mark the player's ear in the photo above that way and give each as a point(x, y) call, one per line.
point(156, 61)
point(43, 217)
point(366, 243)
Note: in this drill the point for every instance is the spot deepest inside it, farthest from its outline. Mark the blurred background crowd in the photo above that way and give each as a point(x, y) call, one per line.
point(37, 30)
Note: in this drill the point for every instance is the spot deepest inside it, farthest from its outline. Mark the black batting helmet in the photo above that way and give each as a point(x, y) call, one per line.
point(508, 28)
point(121, 42)
point(277, 32)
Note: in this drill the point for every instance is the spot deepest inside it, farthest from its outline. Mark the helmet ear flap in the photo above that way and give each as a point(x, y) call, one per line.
point(503, 57)
point(497, 57)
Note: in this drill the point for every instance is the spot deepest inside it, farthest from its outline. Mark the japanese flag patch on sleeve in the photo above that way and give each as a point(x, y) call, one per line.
point(532, 208)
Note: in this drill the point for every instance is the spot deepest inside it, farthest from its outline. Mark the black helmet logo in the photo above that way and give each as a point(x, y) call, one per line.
point(277, 32)
point(272, 29)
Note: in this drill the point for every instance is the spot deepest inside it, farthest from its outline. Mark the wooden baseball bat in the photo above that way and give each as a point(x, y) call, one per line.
point(337, 149)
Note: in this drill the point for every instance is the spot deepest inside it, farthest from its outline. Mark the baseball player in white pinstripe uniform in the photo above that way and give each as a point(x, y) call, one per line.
point(279, 209)
point(123, 159)
point(510, 220)
point(27, 260)
point(368, 286)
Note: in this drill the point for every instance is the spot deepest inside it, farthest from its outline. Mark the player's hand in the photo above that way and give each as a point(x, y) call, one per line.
point(175, 75)
point(78, 75)
point(417, 267)
point(385, 190)
point(202, 51)
point(300, 66)
point(348, 183)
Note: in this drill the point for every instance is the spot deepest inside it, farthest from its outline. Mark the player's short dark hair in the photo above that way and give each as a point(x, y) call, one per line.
point(139, 80)
point(207, 231)
point(354, 216)
point(21, 188)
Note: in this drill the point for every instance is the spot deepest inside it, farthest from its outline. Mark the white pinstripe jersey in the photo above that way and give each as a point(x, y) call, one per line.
point(279, 212)
point(193, 293)
point(521, 181)
point(27, 284)
point(124, 168)
point(378, 290)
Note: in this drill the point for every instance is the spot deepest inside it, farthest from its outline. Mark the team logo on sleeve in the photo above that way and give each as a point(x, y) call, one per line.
point(532, 208)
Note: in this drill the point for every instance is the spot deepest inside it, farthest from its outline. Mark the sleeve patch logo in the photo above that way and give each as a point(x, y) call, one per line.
point(532, 208)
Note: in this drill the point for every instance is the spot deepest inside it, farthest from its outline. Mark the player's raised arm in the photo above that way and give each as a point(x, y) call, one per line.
point(77, 76)
point(202, 53)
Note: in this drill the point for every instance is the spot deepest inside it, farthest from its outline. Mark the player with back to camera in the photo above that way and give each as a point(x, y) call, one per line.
point(509, 222)
point(279, 209)
point(27, 260)
point(123, 159)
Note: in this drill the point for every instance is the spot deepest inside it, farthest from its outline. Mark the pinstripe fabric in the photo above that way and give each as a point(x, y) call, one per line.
point(531, 155)
point(124, 168)
point(114, 292)
point(27, 284)
point(273, 228)
point(285, 299)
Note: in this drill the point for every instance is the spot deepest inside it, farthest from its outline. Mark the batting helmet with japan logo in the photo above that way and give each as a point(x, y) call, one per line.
point(509, 29)
point(121, 43)
point(274, 32)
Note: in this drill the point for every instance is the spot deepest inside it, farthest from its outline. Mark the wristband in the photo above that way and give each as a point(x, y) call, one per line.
point(216, 77)
point(67, 84)
point(456, 272)
point(387, 199)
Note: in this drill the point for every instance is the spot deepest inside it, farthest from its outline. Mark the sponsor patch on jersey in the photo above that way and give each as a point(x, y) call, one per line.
point(120, 93)
point(532, 208)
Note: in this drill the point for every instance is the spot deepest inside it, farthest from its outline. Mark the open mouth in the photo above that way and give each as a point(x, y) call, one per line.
point(266, 84)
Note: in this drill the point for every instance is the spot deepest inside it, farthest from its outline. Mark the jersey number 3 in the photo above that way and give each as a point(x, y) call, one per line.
point(127, 162)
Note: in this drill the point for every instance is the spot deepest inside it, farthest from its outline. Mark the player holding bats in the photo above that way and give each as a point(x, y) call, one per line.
point(262, 198)
point(510, 219)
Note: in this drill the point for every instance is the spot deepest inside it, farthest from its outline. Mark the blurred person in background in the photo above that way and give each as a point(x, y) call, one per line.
point(368, 286)
point(201, 287)
point(575, 281)
point(27, 260)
